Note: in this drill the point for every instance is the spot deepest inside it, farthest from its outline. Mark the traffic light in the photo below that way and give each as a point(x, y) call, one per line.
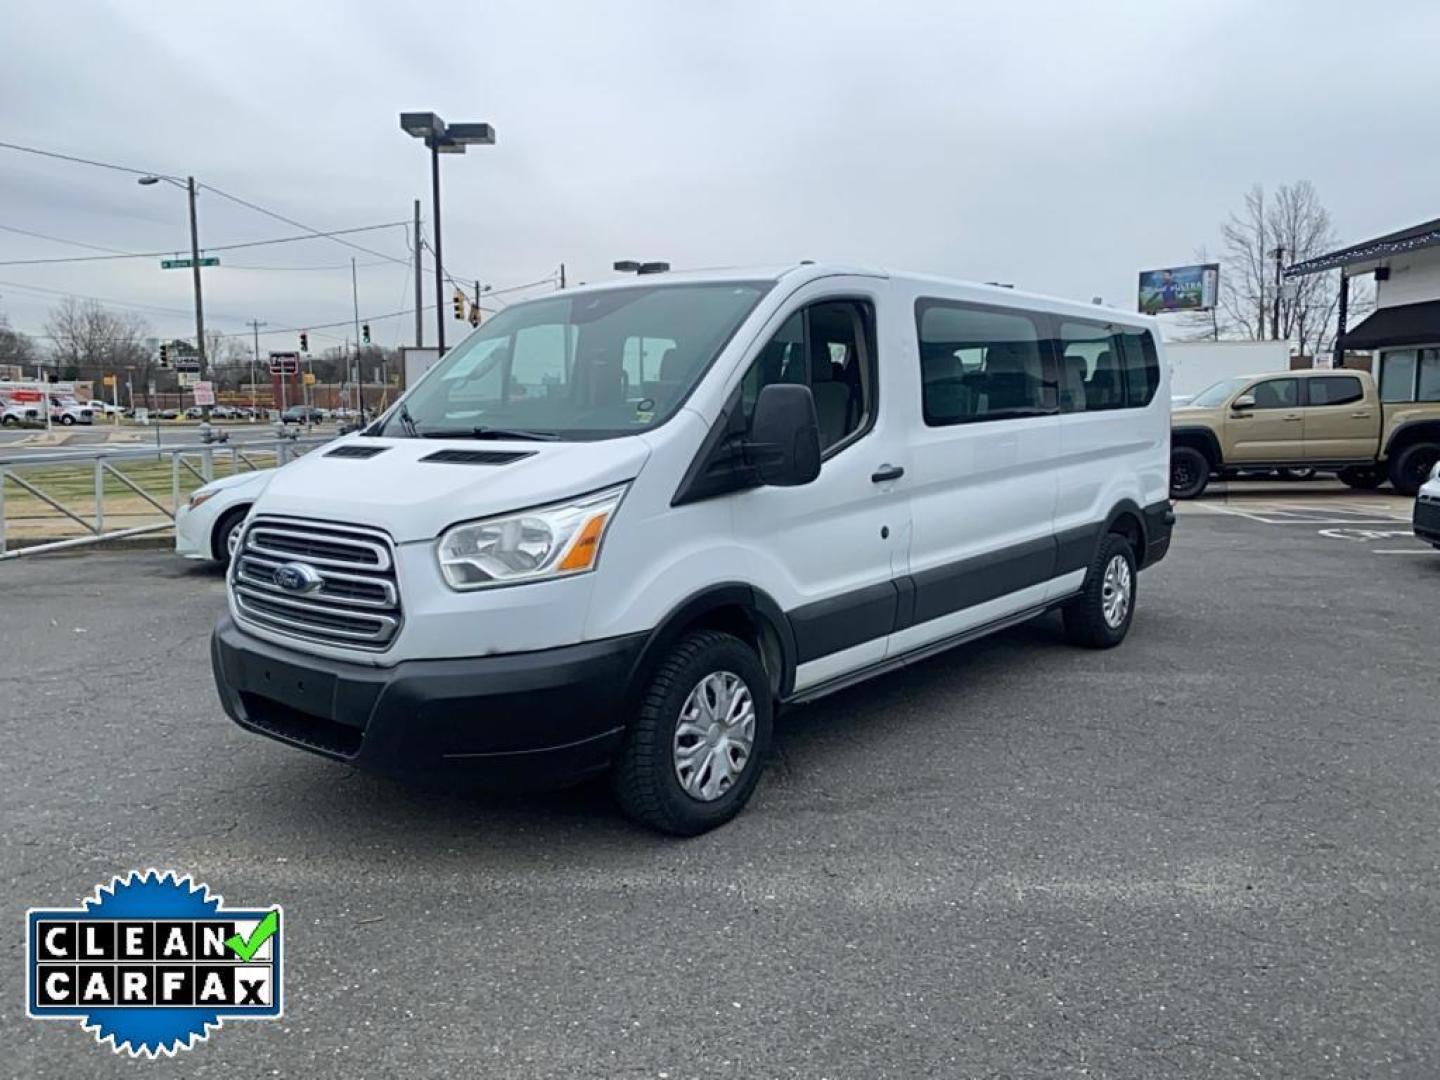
point(459, 304)
point(365, 333)
point(474, 314)
point(304, 341)
point(164, 355)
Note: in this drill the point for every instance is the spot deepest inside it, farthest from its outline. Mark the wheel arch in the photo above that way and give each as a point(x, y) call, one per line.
point(217, 538)
point(1408, 434)
point(733, 607)
point(1128, 520)
point(1199, 438)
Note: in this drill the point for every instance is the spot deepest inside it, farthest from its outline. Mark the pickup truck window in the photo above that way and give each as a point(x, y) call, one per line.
point(1277, 394)
point(1335, 390)
point(1217, 393)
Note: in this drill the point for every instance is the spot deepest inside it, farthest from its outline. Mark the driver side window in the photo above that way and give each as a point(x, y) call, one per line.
point(829, 347)
point(1277, 394)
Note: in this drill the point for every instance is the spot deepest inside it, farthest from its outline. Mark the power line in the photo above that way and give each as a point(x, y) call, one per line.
point(85, 161)
point(116, 254)
point(206, 187)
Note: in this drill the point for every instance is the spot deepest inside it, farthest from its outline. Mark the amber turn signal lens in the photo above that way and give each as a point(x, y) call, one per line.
point(581, 555)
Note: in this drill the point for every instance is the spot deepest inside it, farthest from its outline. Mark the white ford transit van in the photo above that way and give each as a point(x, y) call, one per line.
point(618, 527)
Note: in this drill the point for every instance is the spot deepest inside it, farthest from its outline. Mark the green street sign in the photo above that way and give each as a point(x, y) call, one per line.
point(186, 264)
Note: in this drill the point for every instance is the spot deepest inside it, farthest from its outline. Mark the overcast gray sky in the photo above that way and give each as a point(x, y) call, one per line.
point(1056, 145)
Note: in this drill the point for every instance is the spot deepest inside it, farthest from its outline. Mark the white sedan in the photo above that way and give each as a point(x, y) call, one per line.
point(208, 526)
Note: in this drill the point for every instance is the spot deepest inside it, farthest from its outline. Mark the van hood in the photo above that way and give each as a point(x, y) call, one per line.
point(413, 499)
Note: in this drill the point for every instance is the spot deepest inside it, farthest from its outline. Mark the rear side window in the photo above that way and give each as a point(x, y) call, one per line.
point(982, 363)
point(1142, 368)
point(1335, 390)
point(1092, 371)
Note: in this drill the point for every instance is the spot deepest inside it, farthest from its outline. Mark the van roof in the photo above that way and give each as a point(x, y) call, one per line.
point(799, 273)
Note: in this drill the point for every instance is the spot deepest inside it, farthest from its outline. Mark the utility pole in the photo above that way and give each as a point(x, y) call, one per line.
point(255, 325)
point(1275, 316)
point(195, 271)
point(562, 275)
point(419, 295)
point(355, 301)
point(476, 320)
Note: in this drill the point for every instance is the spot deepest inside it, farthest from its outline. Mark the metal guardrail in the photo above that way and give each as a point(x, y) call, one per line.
point(186, 461)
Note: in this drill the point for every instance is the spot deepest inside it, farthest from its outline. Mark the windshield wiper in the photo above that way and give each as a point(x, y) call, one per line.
point(492, 433)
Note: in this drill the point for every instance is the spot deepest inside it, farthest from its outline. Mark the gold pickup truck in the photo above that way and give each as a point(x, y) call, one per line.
point(1328, 420)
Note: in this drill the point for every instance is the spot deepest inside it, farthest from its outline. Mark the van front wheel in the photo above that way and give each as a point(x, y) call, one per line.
point(694, 752)
point(1099, 618)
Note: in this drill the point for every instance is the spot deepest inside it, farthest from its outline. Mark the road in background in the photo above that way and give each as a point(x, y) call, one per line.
point(1211, 852)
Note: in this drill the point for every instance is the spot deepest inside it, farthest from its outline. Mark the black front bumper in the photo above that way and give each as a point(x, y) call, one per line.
point(519, 718)
point(1427, 521)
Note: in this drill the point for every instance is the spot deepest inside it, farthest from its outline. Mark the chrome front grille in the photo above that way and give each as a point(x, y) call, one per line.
point(346, 593)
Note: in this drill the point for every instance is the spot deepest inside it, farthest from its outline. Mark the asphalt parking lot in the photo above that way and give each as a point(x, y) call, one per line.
point(1213, 852)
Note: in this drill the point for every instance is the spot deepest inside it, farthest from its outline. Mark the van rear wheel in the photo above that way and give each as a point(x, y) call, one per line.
point(1099, 618)
point(695, 751)
point(1189, 472)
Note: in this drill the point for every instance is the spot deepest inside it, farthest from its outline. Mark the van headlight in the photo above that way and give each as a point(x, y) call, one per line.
point(546, 542)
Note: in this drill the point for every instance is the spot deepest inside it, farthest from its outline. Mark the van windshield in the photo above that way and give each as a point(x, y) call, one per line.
point(590, 365)
point(1215, 395)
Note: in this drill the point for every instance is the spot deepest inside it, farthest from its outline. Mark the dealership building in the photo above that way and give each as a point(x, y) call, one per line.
point(1404, 330)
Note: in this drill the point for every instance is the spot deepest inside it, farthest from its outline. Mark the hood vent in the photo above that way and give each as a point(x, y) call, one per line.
point(355, 450)
point(477, 457)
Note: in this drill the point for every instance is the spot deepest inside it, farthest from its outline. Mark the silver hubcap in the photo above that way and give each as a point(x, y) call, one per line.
point(1116, 590)
point(715, 735)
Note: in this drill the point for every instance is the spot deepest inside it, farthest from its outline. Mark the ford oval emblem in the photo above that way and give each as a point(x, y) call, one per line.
point(296, 577)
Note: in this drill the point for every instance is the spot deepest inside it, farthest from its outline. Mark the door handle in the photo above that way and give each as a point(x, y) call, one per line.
point(1359, 416)
point(887, 472)
point(1294, 416)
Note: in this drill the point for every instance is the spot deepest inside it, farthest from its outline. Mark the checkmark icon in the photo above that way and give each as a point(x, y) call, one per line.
point(245, 948)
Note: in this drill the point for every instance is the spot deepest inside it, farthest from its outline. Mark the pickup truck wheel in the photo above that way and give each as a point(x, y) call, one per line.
point(1410, 470)
point(1360, 477)
point(1099, 618)
point(1189, 472)
point(67, 420)
point(9, 421)
point(694, 753)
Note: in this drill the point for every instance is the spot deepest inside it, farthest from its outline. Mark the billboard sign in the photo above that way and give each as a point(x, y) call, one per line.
point(284, 363)
point(204, 393)
point(1179, 288)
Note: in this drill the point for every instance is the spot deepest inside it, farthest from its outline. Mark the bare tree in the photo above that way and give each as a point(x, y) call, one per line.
point(1294, 222)
point(16, 348)
point(88, 342)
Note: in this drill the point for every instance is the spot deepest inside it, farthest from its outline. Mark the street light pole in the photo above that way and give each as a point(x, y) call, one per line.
point(1275, 315)
point(439, 268)
point(255, 325)
point(442, 139)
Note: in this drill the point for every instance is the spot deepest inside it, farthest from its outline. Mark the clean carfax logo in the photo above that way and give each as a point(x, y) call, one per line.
point(152, 962)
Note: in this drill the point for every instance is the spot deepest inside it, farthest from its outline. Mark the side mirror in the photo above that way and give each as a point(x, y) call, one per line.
point(1243, 402)
point(784, 443)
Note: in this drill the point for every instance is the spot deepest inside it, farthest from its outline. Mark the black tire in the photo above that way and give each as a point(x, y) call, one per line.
point(219, 546)
point(645, 778)
point(1411, 467)
point(1086, 622)
point(1361, 478)
point(9, 421)
point(1189, 472)
point(67, 420)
